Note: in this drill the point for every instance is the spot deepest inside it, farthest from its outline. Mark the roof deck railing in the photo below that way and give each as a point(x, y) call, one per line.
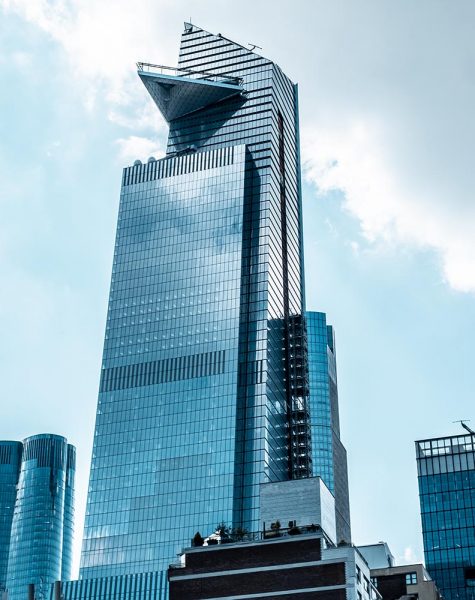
point(275, 532)
point(190, 73)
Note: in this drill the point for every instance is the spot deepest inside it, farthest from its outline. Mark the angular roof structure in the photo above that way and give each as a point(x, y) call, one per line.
point(185, 91)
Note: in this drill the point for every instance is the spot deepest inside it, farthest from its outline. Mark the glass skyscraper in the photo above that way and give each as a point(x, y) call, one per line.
point(204, 385)
point(37, 509)
point(196, 388)
point(328, 453)
point(446, 473)
point(10, 464)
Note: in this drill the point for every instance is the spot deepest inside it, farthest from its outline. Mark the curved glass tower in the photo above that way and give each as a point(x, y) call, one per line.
point(42, 519)
point(10, 463)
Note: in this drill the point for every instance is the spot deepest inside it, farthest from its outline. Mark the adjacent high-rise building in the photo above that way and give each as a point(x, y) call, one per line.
point(328, 453)
point(10, 464)
point(37, 509)
point(446, 473)
point(204, 391)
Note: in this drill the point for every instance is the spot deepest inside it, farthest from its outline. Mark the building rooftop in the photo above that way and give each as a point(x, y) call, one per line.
point(401, 569)
point(454, 444)
point(378, 556)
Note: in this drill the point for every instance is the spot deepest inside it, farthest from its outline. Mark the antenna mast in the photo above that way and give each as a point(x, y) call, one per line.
point(466, 427)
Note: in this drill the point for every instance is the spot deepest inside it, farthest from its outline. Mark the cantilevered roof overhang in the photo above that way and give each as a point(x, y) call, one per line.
point(185, 91)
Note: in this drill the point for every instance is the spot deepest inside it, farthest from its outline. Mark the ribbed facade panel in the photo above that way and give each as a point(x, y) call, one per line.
point(138, 586)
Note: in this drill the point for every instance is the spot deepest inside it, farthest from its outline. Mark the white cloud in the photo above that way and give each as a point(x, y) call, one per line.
point(410, 557)
point(390, 124)
point(392, 206)
point(52, 148)
point(141, 148)
point(386, 100)
point(100, 41)
point(145, 115)
point(22, 59)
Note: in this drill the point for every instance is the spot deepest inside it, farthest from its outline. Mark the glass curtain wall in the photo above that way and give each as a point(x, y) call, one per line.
point(36, 541)
point(446, 475)
point(194, 399)
point(328, 453)
point(10, 463)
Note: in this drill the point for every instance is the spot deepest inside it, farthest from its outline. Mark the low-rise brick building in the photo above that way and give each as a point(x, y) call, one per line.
point(285, 567)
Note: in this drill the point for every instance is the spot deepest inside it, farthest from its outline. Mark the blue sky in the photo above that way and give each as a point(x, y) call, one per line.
point(387, 128)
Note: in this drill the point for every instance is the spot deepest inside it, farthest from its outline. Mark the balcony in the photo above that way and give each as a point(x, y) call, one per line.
point(180, 92)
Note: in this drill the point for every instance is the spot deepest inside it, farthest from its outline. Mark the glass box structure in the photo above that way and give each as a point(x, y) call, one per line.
point(38, 510)
point(328, 453)
point(446, 474)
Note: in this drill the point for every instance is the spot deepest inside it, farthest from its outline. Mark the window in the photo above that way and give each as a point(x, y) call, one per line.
point(374, 581)
point(411, 578)
point(358, 574)
point(470, 577)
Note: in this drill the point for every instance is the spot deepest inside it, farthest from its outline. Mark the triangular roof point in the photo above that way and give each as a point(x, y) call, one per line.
point(189, 27)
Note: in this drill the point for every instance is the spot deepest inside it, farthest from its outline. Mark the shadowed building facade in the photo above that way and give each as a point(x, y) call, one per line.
point(38, 548)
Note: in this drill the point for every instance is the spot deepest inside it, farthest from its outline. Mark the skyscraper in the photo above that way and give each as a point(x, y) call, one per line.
point(37, 492)
point(328, 453)
point(446, 473)
point(10, 464)
point(199, 376)
point(204, 385)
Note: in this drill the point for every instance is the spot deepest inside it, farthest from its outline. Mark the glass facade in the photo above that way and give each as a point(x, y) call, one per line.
point(163, 458)
point(41, 526)
point(328, 453)
point(10, 464)
point(68, 518)
point(134, 586)
point(196, 388)
point(446, 473)
point(204, 385)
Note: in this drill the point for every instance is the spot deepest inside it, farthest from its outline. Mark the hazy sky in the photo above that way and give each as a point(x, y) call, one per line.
point(387, 96)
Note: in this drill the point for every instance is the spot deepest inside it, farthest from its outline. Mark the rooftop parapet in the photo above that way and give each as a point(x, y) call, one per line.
point(454, 444)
